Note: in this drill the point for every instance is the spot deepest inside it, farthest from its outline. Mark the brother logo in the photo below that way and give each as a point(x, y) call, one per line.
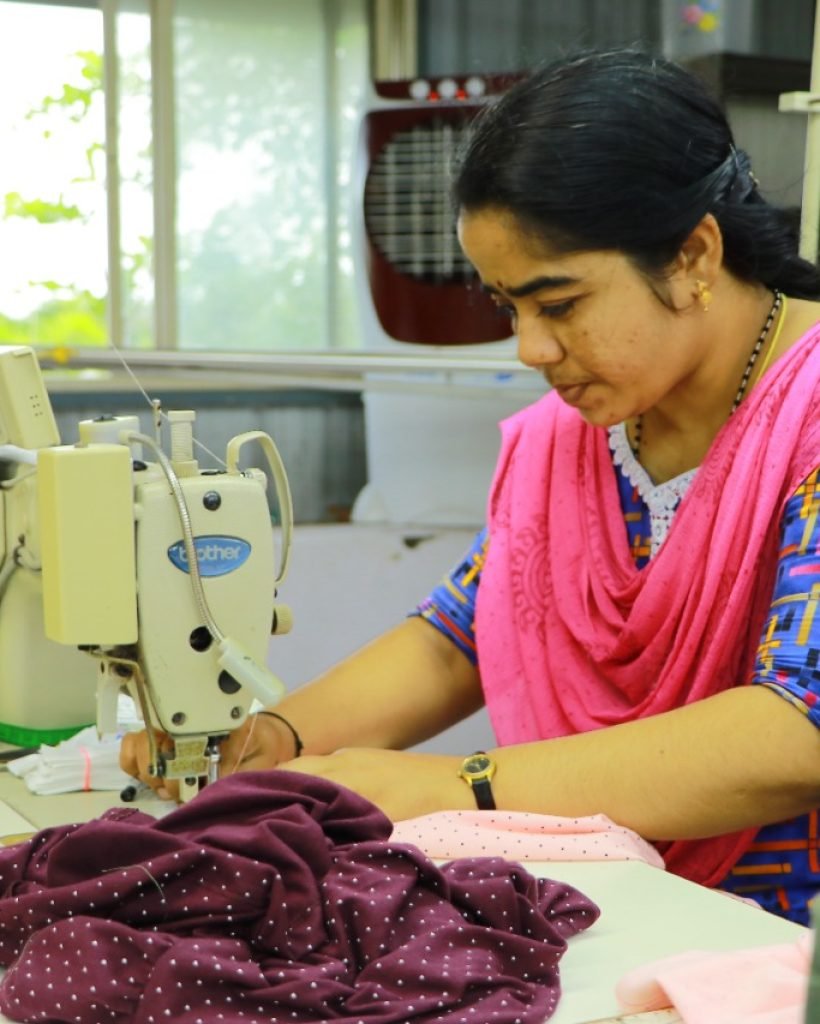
point(217, 556)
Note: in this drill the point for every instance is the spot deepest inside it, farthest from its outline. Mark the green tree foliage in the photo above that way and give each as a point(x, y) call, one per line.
point(75, 319)
point(40, 210)
point(76, 100)
point(70, 315)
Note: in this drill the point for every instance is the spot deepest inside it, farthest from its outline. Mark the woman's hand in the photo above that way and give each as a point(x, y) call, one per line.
point(261, 742)
point(402, 784)
point(135, 759)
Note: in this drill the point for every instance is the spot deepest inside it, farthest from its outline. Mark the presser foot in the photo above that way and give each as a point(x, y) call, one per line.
point(194, 763)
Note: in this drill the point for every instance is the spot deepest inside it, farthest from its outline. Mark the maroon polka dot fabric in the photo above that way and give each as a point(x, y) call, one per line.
point(273, 898)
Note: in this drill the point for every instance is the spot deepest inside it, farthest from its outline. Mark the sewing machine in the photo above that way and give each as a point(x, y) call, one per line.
point(147, 573)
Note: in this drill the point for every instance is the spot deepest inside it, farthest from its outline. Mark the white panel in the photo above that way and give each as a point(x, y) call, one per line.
point(775, 142)
point(349, 583)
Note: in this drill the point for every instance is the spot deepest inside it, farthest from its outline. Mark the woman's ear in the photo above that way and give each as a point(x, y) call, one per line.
point(693, 272)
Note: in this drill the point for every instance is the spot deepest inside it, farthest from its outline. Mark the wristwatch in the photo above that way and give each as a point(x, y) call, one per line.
point(477, 770)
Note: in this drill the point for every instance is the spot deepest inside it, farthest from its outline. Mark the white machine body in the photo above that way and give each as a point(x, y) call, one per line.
point(234, 543)
point(163, 573)
point(44, 687)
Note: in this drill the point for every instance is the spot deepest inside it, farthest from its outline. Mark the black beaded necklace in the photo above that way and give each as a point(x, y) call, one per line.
point(744, 380)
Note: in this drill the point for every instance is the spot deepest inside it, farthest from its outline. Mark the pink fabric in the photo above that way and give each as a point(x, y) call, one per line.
point(86, 768)
point(519, 836)
point(622, 643)
point(767, 985)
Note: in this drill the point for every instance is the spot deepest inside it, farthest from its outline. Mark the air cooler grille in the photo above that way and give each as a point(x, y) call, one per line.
point(408, 212)
point(423, 288)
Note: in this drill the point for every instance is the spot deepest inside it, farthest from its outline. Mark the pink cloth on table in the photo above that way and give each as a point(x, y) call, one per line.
point(624, 643)
point(518, 835)
point(767, 985)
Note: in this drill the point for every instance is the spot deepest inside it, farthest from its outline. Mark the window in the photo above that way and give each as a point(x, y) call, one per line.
point(212, 213)
point(52, 176)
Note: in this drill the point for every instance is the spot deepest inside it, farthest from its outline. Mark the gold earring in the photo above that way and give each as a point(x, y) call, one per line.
point(704, 295)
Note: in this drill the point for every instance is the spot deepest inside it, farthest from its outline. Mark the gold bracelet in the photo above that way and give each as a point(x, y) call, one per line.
point(297, 740)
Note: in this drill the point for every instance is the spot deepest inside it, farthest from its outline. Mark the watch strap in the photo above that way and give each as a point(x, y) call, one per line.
point(483, 793)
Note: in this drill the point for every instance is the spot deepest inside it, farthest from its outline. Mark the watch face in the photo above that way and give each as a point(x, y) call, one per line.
point(477, 770)
point(477, 764)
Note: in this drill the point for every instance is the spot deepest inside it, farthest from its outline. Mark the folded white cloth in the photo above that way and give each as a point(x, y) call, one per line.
point(83, 762)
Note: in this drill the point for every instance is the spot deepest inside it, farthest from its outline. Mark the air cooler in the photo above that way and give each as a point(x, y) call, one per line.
point(431, 448)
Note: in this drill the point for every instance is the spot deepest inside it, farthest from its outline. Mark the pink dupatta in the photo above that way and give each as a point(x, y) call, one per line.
point(572, 637)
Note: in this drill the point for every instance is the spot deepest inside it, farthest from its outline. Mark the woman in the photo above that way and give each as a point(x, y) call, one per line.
point(652, 542)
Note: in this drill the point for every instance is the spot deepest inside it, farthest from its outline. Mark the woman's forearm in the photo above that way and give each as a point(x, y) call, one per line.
point(404, 687)
point(740, 759)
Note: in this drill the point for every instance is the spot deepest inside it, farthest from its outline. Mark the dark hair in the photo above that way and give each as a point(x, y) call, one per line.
point(623, 150)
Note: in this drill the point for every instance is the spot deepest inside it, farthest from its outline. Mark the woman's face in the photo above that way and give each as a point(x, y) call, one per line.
point(588, 321)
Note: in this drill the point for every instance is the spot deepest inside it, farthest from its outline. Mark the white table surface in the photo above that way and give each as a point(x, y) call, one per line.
point(645, 912)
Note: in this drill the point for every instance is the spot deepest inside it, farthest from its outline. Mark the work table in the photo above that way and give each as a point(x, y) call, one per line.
point(645, 912)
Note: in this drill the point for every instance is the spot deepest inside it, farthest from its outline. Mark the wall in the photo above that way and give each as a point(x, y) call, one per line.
point(320, 435)
point(775, 142)
point(348, 583)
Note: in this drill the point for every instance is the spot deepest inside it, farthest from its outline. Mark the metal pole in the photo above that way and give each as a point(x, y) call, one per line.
point(164, 152)
point(395, 39)
point(810, 224)
point(110, 10)
point(809, 103)
point(813, 990)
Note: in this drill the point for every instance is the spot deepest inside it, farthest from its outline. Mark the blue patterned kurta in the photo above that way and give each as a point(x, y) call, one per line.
point(781, 870)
